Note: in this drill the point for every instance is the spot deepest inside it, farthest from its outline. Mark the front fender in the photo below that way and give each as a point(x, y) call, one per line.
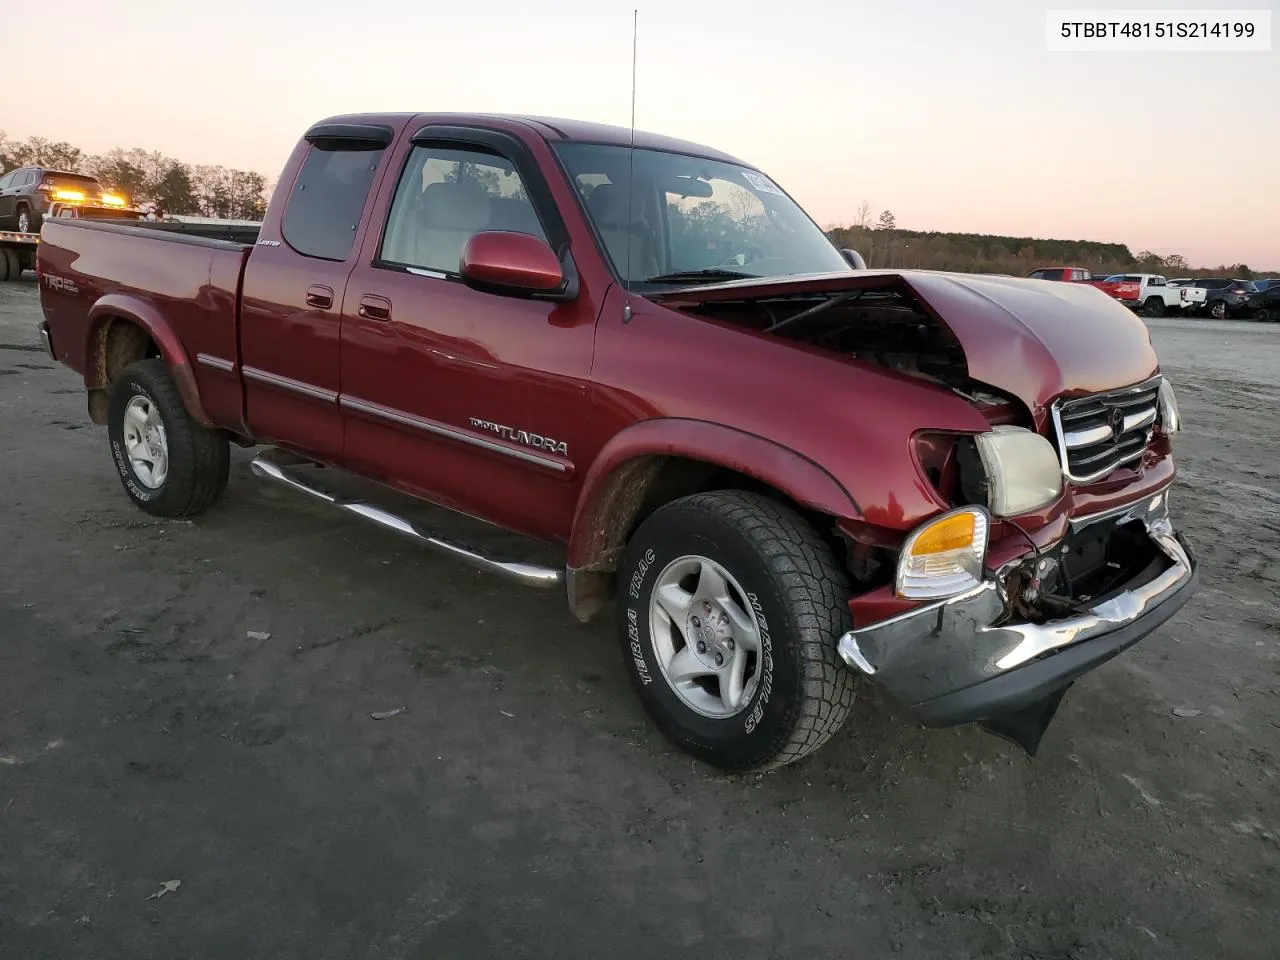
point(121, 306)
point(614, 485)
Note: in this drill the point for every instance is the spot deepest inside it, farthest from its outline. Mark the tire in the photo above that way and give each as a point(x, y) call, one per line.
point(1154, 307)
point(28, 222)
point(784, 581)
point(14, 262)
point(1263, 315)
point(6, 266)
point(1218, 310)
point(196, 460)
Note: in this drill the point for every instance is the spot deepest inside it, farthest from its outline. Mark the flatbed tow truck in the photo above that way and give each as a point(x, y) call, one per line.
point(17, 253)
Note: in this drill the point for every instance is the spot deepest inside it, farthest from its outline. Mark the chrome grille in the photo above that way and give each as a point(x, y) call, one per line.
point(1103, 431)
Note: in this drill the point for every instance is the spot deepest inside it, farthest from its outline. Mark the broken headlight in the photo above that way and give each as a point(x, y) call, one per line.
point(1022, 470)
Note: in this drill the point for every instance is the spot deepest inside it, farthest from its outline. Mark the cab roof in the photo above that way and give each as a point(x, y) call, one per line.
point(555, 129)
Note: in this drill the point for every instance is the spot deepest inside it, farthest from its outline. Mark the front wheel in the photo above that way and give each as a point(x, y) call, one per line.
point(170, 464)
point(729, 609)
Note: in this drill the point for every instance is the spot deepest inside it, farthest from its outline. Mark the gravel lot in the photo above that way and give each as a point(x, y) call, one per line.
point(521, 805)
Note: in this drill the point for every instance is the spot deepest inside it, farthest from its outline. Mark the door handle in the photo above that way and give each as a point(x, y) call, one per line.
point(319, 297)
point(374, 308)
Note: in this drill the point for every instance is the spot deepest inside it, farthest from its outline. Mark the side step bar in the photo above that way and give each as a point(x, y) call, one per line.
point(528, 574)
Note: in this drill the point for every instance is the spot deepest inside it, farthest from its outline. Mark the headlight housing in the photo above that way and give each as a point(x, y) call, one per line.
point(1023, 470)
point(1170, 419)
point(944, 557)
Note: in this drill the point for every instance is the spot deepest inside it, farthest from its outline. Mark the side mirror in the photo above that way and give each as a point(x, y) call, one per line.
point(855, 259)
point(515, 264)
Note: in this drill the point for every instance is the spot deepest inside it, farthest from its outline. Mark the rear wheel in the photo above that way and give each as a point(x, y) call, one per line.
point(1218, 310)
point(169, 464)
point(27, 223)
point(1154, 307)
point(8, 266)
point(728, 613)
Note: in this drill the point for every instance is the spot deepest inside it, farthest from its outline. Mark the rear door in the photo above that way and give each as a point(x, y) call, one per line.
point(472, 399)
point(291, 305)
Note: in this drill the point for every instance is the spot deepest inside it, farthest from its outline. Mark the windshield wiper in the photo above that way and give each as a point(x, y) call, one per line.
point(710, 274)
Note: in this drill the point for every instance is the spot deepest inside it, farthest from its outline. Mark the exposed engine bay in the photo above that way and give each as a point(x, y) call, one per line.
point(882, 326)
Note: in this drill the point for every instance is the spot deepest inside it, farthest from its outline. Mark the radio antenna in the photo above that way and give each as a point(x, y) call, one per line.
point(631, 170)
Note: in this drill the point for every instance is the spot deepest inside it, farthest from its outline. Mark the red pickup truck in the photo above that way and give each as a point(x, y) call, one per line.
point(789, 475)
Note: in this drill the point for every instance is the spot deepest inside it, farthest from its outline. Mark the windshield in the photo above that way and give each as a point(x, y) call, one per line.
point(693, 219)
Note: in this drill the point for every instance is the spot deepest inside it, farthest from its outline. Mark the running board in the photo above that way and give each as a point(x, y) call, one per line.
point(527, 574)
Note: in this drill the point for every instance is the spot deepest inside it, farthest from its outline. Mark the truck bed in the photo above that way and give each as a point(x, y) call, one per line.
point(178, 284)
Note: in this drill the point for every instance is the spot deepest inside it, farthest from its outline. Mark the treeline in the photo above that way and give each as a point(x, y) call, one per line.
point(149, 177)
point(887, 246)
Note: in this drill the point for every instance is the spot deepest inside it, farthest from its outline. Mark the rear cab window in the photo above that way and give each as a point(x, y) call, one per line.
point(322, 216)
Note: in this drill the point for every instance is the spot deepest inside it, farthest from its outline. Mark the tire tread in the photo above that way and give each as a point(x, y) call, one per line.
point(816, 591)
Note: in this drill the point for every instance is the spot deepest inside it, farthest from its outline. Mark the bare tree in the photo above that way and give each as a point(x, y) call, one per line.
point(863, 218)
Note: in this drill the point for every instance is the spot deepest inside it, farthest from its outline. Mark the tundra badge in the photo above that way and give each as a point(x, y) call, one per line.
point(535, 440)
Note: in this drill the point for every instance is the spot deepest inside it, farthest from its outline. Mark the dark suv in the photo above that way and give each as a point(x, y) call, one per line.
point(26, 194)
point(1225, 298)
point(1265, 304)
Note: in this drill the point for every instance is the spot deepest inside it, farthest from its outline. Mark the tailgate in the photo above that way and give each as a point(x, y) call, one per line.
point(1126, 290)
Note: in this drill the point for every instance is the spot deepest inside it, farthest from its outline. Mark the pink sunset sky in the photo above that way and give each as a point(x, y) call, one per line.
point(952, 115)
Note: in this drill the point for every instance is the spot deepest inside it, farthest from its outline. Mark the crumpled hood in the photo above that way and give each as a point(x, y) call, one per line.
point(1034, 339)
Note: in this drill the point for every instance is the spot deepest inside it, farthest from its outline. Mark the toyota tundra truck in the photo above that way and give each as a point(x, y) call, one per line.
point(787, 474)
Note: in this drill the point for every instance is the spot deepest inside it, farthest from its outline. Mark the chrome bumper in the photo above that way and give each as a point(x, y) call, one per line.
point(958, 660)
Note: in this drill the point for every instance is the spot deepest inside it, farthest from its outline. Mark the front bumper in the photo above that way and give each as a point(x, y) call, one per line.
point(964, 659)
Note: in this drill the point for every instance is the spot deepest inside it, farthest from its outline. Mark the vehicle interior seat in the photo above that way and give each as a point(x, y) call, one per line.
point(608, 207)
point(450, 212)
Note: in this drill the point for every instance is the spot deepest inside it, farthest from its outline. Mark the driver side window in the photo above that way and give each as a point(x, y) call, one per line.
point(445, 196)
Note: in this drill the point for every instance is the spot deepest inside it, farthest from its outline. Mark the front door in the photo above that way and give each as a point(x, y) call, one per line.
point(472, 399)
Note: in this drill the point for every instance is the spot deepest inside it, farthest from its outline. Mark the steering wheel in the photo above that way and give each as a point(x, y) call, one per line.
point(750, 252)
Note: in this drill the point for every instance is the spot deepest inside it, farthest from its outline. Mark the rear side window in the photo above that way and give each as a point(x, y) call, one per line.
point(1049, 274)
point(323, 212)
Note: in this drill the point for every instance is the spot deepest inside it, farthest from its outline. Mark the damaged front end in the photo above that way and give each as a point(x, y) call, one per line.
point(1040, 544)
point(1003, 652)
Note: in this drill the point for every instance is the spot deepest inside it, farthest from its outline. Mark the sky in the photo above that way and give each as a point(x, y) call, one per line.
point(951, 114)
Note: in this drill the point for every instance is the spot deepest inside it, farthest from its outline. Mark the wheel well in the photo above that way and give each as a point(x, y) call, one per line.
point(640, 487)
point(117, 343)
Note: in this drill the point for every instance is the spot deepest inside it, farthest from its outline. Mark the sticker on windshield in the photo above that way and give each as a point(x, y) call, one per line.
point(760, 182)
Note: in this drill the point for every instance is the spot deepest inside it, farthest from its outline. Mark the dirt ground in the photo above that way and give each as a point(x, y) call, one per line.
point(521, 805)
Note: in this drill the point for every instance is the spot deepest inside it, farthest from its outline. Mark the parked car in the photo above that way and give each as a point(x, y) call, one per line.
point(26, 195)
point(1226, 298)
point(785, 475)
point(1067, 274)
point(1192, 296)
point(1154, 296)
point(1265, 285)
point(1265, 304)
point(1116, 287)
